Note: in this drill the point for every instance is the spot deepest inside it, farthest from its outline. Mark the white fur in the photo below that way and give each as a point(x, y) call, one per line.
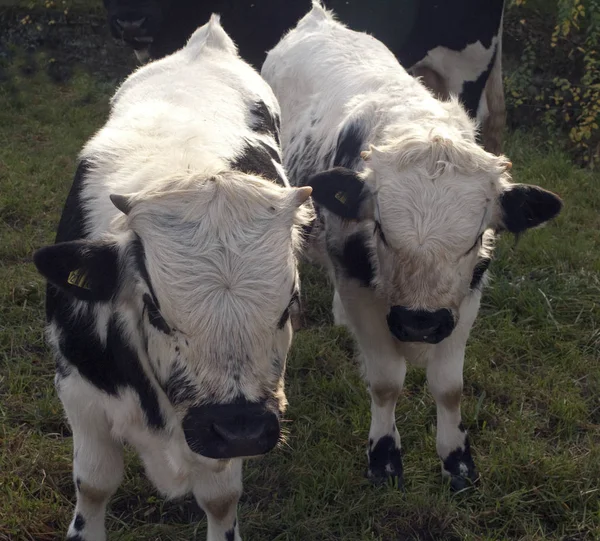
point(434, 192)
point(220, 248)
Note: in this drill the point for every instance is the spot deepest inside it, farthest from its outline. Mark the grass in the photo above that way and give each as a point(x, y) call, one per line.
point(532, 376)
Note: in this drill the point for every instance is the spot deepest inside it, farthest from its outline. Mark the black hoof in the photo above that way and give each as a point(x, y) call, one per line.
point(460, 467)
point(458, 483)
point(385, 463)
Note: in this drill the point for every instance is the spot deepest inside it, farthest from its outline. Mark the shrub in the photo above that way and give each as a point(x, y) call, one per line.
point(552, 76)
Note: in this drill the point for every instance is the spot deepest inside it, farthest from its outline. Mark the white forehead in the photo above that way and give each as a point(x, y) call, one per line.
point(218, 254)
point(444, 214)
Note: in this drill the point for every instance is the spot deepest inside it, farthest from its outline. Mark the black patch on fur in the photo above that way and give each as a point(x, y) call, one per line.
point(452, 465)
point(478, 272)
point(79, 523)
point(283, 319)
point(62, 368)
point(263, 120)
point(154, 316)
point(470, 95)
point(525, 206)
point(349, 144)
point(461, 427)
point(179, 388)
point(385, 460)
point(256, 158)
point(381, 234)
point(139, 256)
point(110, 368)
point(355, 259)
point(230, 534)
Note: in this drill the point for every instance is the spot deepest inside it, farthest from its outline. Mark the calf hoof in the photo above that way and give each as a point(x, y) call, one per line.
point(385, 463)
point(460, 468)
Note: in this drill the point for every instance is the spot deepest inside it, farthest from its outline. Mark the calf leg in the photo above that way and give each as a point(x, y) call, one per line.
point(445, 379)
point(218, 494)
point(384, 371)
point(97, 469)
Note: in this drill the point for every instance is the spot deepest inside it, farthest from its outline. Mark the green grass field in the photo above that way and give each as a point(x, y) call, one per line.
point(532, 376)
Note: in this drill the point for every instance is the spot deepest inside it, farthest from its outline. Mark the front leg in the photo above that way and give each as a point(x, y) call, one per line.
point(384, 370)
point(218, 494)
point(97, 460)
point(445, 380)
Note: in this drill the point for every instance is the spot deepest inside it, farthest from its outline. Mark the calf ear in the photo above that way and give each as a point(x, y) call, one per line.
point(525, 206)
point(84, 269)
point(342, 192)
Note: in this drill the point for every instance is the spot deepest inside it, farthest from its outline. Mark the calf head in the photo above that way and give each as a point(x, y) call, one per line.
point(417, 224)
point(201, 275)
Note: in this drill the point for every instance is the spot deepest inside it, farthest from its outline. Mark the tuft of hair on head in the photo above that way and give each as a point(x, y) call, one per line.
point(436, 150)
point(211, 35)
point(319, 11)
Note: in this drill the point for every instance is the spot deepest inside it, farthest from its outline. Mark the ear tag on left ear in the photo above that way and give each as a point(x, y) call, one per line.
point(341, 197)
point(78, 278)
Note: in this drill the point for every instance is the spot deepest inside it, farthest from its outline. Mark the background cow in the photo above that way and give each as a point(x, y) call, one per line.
point(408, 206)
point(455, 45)
point(168, 309)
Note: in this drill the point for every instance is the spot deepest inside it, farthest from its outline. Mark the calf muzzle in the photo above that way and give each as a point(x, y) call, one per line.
point(420, 325)
point(224, 431)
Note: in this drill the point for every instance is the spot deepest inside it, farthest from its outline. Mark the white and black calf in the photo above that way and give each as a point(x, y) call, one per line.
point(408, 205)
point(171, 283)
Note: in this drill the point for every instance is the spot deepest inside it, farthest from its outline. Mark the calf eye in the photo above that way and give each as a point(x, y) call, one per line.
point(154, 316)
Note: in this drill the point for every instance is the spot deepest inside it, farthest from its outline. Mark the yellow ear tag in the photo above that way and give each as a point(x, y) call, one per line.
point(78, 278)
point(341, 197)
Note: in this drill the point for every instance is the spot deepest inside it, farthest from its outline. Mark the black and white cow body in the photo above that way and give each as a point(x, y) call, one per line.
point(408, 204)
point(171, 282)
point(454, 45)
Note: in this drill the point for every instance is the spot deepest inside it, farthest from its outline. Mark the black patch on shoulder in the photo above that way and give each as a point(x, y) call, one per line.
point(355, 259)
point(154, 316)
point(110, 368)
point(453, 462)
point(256, 158)
point(230, 534)
point(478, 272)
point(385, 460)
point(263, 120)
point(72, 220)
point(79, 523)
point(179, 388)
point(70, 227)
point(349, 146)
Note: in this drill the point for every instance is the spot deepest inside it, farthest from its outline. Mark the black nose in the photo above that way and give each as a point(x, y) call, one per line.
point(231, 430)
point(420, 325)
